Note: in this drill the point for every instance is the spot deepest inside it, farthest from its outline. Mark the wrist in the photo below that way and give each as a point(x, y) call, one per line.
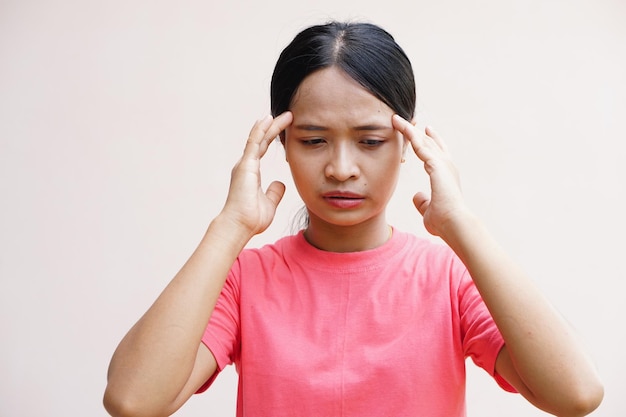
point(229, 232)
point(459, 227)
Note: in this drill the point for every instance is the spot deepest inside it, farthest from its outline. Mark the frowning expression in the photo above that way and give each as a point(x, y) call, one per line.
point(343, 152)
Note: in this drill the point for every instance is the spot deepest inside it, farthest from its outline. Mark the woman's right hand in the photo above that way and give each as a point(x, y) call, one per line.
point(143, 378)
point(247, 205)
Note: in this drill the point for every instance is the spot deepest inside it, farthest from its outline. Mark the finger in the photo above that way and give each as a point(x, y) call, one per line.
point(403, 126)
point(279, 124)
point(430, 132)
point(263, 132)
point(419, 142)
point(275, 192)
point(406, 129)
point(421, 202)
point(256, 135)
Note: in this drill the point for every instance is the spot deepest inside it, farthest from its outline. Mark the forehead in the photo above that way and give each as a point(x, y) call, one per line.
point(331, 95)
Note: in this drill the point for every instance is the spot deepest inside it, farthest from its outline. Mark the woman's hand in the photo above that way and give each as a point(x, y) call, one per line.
point(445, 205)
point(542, 357)
point(247, 205)
point(143, 378)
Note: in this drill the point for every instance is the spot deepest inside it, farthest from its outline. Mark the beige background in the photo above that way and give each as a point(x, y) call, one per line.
point(120, 121)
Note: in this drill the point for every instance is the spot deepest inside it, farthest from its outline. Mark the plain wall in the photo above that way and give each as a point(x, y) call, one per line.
point(120, 122)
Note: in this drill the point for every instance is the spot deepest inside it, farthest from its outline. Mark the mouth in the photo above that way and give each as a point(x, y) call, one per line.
point(343, 199)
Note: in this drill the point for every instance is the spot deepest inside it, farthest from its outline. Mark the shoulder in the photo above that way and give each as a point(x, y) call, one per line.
point(278, 249)
point(424, 249)
point(430, 259)
point(267, 256)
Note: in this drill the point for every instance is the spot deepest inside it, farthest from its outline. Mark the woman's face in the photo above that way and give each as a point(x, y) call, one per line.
point(343, 152)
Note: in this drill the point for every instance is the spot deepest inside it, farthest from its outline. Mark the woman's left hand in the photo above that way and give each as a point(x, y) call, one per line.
point(542, 357)
point(445, 205)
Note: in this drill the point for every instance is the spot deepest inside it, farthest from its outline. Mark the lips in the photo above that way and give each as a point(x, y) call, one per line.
point(343, 199)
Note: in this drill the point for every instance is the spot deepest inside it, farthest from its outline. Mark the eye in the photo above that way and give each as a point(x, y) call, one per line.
point(312, 141)
point(372, 143)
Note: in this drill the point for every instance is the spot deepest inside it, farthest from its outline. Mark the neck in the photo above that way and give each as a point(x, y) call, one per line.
point(353, 238)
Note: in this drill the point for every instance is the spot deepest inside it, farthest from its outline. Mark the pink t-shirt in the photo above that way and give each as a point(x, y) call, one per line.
point(383, 332)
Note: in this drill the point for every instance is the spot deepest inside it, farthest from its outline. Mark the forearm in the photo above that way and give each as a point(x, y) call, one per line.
point(543, 349)
point(156, 357)
point(542, 356)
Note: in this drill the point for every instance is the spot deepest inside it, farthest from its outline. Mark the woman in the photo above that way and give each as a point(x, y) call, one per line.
point(350, 316)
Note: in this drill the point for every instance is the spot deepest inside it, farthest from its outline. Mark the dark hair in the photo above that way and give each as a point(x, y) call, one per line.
point(366, 52)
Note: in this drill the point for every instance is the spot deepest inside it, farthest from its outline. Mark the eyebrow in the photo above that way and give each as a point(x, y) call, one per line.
point(316, 128)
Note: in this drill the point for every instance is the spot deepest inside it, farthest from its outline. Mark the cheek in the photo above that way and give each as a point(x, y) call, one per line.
point(295, 160)
point(391, 158)
point(301, 170)
point(386, 170)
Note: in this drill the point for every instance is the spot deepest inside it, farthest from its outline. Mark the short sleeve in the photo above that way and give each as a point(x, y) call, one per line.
point(482, 340)
point(222, 334)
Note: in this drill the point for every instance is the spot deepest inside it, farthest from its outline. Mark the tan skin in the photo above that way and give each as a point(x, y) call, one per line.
point(161, 362)
point(342, 140)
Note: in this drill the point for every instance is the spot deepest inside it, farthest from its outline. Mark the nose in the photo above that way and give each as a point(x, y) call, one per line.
point(342, 163)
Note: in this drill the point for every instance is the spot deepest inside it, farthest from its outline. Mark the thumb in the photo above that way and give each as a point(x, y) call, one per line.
point(275, 192)
point(421, 202)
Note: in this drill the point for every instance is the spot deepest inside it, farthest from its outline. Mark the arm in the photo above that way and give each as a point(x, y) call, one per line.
point(161, 362)
point(542, 358)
